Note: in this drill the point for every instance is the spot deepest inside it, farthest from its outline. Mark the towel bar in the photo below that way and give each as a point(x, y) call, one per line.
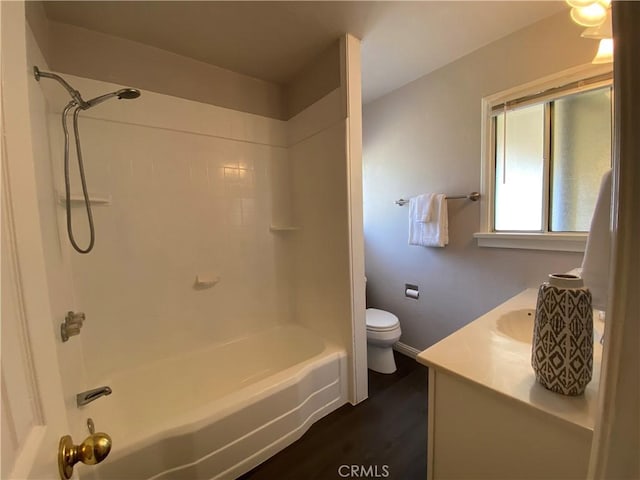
point(473, 196)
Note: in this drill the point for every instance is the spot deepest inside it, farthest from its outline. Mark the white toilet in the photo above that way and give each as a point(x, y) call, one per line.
point(383, 330)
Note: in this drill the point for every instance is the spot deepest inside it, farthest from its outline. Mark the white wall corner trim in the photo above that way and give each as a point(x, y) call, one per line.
point(351, 79)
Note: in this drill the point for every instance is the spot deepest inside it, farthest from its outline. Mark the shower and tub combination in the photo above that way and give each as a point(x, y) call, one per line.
point(219, 422)
point(202, 378)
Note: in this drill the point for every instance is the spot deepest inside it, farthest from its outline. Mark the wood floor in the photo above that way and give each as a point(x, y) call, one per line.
point(388, 429)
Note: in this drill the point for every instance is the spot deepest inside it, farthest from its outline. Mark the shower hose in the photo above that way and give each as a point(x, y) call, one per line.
point(67, 183)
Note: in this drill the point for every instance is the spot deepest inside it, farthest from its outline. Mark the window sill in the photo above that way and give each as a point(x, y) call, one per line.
point(559, 242)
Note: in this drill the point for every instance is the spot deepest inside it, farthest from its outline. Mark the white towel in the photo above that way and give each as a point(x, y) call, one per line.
point(435, 232)
point(421, 207)
point(415, 226)
point(596, 262)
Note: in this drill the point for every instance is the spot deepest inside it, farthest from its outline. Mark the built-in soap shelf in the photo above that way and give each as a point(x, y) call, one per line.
point(77, 199)
point(283, 228)
point(205, 280)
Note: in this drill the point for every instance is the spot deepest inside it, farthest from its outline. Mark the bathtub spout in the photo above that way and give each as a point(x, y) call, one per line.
point(89, 396)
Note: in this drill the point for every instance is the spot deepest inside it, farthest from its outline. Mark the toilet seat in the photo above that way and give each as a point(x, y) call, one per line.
point(381, 321)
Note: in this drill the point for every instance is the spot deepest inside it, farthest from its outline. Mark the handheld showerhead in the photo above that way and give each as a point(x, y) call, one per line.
point(125, 93)
point(128, 93)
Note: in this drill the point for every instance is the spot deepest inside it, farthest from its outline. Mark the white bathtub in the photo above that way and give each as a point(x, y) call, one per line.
point(218, 412)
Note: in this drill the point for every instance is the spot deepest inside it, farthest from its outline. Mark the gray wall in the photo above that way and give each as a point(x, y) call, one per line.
point(425, 137)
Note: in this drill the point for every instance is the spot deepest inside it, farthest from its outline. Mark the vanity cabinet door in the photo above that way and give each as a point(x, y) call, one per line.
point(476, 433)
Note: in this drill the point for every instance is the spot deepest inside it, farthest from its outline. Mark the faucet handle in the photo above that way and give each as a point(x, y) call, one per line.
point(72, 325)
point(74, 318)
point(72, 330)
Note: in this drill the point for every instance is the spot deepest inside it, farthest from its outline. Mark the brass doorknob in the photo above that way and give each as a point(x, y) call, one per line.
point(92, 450)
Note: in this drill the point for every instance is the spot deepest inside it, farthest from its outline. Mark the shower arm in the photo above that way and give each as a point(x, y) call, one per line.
point(74, 93)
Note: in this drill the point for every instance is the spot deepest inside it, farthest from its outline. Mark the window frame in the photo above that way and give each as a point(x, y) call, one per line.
point(487, 236)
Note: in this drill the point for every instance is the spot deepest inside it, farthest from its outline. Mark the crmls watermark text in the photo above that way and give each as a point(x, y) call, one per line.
point(363, 471)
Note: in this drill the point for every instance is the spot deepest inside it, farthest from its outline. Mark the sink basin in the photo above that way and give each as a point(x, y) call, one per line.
point(517, 324)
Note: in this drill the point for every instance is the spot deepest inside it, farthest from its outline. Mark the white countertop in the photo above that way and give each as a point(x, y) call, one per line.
point(486, 354)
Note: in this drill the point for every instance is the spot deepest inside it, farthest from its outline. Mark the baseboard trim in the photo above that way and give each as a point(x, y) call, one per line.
point(406, 349)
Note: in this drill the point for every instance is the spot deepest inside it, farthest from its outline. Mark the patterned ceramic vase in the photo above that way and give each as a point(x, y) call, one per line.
point(562, 348)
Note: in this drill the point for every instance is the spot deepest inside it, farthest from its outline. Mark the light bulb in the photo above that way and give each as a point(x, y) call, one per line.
point(605, 51)
point(589, 16)
point(580, 3)
point(601, 31)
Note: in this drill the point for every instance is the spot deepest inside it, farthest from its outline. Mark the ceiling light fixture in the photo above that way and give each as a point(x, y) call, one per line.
point(590, 16)
point(586, 3)
point(605, 52)
point(601, 31)
point(579, 3)
point(596, 15)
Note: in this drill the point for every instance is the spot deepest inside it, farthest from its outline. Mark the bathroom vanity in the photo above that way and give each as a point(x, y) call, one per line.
point(489, 418)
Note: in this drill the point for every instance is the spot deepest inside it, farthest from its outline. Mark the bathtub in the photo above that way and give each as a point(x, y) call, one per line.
point(218, 412)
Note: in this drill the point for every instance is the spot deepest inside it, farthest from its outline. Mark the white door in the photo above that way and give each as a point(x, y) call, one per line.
point(33, 409)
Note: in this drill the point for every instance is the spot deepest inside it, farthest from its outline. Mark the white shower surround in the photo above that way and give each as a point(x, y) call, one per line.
point(194, 189)
point(190, 194)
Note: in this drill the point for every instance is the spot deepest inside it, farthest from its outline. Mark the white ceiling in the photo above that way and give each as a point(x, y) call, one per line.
point(401, 41)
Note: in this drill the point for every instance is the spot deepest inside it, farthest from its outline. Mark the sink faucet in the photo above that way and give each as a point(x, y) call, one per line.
point(89, 396)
